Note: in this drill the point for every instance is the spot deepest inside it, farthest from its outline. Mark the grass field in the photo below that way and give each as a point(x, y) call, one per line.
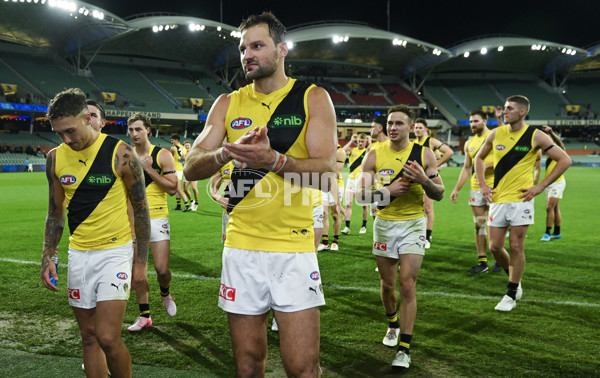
point(553, 331)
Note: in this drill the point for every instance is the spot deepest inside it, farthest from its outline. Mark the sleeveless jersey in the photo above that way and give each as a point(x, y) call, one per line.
point(180, 153)
point(473, 146)
point(514, 159)
point(550, 164)
point(388, 167)
point(425, 142)
point(377, 144)
point(157, 198)
point(355, 160)
point(96, 196)
point(266, 212)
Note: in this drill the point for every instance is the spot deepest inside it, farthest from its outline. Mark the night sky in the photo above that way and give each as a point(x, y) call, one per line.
point(442, 23)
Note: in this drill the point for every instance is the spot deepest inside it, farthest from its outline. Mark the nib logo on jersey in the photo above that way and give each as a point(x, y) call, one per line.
point(288, 120)
point(99, 179)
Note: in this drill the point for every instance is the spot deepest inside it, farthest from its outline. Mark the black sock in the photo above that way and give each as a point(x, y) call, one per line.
point(336, 238)
point(164, 291)
point(512, 289)
point(144, 310)
point(348, 224)
point(325, 239)
point(404, 343)
point(556, 230)
point(393, 321)
point(548, 230)
point(364, 223)
point(428, 235)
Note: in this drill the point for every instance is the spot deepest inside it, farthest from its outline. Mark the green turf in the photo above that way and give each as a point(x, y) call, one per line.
point(552, 332)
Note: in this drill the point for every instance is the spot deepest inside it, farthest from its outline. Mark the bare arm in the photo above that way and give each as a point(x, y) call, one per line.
point(168, 182)
point(128, 166)
point(465, 174)
point(350, 145)
point(563, 161)
point(537, 168)
point(485, 149)
point(55, 222)
point(201, 160)
point(555, 138)
point(320, 143)
point(446, 151)
point(214, 190)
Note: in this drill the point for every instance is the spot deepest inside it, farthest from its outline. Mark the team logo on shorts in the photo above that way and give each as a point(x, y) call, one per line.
point(241, 123)
point(74, 294)
point(380, 246)
point(227, 293)
point(122, 275)
point(386, 172)
point(501, 147)
point(68, 179)
point(315, 276)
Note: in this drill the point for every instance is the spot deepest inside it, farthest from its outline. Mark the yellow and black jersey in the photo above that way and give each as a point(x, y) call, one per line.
point(96, 196)
point(268, 213)
point(425, 142)
point(179, 156)
point(473, 146)
point(355, 160)
point(157, 198)
point(550, 164)
point(514, 158)
point(389, 166)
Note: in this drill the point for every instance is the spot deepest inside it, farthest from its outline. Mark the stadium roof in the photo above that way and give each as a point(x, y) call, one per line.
point(72, 28)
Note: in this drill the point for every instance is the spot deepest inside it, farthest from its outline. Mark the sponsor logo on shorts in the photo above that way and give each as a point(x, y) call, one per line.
point(74, 294)
point(116, 286)
point(315, 276)
point(227, 293)
point(501, 147)
point(380, 246)
point(68, 179)
point(122, 275)
point(386, 172)
point(241, 123)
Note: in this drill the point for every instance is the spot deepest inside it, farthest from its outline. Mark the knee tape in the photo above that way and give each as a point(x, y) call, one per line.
point(480, 224)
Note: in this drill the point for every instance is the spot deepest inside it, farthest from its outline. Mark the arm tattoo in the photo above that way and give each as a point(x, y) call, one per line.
point(137, 196)
point(55, 220)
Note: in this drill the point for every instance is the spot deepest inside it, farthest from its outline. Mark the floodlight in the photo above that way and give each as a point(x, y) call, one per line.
point(192, 27)
point(155, 29)
point(218, 28)
point(483, 51)
point(290, 45)
point(466, 54)
point(500, 48)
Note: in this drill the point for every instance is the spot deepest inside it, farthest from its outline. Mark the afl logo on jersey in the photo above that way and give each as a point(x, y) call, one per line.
point(122, 275)
point(386, 172)
point(227, 172)
point(68, 179)
point(501, 147)
point(471, 149)
point(241, 123)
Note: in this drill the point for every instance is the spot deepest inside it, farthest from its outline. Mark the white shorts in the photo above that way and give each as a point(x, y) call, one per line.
point(224, 221)
point(179, 175)
point(511, 214)
point(476, 199)
point(254, 282)
point(318, 216)
point(351, 186)
point(331, 200)
point(160, 229)
point(556, 189)
point(394, 238)
point(99, 275)
point(373, 207)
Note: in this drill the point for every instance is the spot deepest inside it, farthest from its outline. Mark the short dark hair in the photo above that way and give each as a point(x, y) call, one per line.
point(175, 136)
point(95, 103)
point(140, 117)
point(68, 103)
point(421, 120)
point(521, 100)
point(403, 109)
point(381, 120)
point(480, 113)
point(276, 29)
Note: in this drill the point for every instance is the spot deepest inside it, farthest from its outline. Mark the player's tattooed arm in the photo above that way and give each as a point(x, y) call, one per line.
point(55, 220)
point(133, 176)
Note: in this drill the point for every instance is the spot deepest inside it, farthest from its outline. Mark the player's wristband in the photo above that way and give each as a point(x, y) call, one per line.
point(280, 163)
point(220, 158)
point(276, 162)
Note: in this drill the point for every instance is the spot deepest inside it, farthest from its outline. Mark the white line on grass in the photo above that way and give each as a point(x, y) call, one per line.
point(363, 289)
